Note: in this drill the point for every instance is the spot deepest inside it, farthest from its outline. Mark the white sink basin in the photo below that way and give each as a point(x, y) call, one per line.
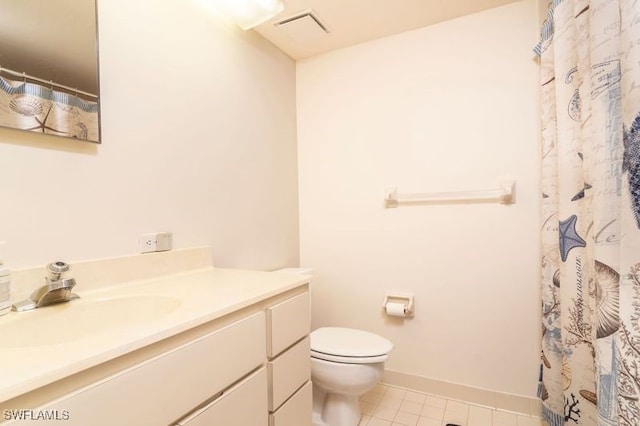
point(82, 318)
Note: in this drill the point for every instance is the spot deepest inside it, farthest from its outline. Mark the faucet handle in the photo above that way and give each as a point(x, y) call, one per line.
point(56, 269)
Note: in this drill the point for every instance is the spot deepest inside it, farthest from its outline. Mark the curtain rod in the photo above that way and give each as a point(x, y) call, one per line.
point(49, 82)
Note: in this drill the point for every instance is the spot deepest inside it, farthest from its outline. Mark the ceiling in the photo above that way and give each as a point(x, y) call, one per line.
point(351, 22)
point(32, 41)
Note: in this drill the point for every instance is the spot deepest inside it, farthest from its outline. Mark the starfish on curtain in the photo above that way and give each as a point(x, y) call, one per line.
point(569, 237)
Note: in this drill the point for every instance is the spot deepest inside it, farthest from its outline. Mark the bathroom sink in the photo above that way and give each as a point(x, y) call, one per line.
point(81, 318)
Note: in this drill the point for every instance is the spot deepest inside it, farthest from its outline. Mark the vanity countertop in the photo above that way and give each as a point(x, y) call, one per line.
point(44, 345)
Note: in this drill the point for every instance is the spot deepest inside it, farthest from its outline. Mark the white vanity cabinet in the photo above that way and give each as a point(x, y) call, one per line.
point(248, 368)
point(289, 365)
point(164, 388)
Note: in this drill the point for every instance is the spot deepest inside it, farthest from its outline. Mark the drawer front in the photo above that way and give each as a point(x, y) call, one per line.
point(287, 322)
point(296, 411)
point(245, 404)
point(165, 388)
point(288, 372)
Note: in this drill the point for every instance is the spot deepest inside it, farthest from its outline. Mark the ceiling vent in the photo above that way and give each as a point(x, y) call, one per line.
point(302, 27)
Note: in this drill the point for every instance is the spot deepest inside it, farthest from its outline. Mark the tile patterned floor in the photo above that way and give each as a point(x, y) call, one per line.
point(392, 406)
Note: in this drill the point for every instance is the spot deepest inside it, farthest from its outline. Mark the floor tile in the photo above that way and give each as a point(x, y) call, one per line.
point(456, 417)
point(407, 419)
point(480, 416)
point(415, 397)
point(424, 421)
point(410, 407)
point(390, 402)
point(456, 413)
point(385, 413)
point(378, 422)
point(393, 406)
point(435, 413)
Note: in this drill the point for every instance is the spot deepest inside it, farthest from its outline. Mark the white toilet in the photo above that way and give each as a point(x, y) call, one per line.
point(345, 364)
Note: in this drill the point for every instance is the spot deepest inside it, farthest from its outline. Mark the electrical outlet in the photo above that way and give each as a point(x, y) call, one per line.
point(157, 241)
point(164, 241)
point(147, 243)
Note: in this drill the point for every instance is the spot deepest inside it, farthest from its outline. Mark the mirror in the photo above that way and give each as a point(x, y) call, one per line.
point(49, 67)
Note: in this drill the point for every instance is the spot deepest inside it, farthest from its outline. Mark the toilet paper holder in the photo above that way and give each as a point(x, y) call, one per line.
point(406, 299)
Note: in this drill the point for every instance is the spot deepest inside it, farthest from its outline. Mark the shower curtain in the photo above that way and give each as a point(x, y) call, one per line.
point(590, 106)
point(30, 106)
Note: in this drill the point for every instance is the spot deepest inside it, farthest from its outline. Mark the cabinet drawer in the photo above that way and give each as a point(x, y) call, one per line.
point(296, 411)
point(245, 404)
point(288, 372)
point(164, 388)
point(287, 322)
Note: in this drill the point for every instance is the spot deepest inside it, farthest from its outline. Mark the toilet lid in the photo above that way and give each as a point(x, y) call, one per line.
point(348, 342)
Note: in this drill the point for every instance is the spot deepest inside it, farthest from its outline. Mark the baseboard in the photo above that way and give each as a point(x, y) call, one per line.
point(496, 400)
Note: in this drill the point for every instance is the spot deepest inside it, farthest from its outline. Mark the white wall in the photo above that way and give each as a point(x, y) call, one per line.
point(446, 107)
point(198, 129)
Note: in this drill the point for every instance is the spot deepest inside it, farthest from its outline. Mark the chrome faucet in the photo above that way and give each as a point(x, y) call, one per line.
point(55, 290)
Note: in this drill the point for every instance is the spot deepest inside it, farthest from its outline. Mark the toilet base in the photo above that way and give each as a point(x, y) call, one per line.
point(342, 410)
point(337, 388)
point(338, 410)
point(316, 420)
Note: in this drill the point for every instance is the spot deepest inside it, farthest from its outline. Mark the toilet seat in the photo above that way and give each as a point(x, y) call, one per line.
point(348, 345)
point(349, 359)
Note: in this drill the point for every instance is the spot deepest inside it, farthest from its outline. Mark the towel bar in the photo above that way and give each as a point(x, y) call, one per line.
point(504, 195)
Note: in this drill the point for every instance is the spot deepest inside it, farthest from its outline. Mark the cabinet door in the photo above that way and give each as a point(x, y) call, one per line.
point(287, 322)
point(296, 411)
point(245, 404)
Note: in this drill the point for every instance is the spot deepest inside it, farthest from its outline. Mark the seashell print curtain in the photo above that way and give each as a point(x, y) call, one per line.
point(29, 106)
point(590, 107)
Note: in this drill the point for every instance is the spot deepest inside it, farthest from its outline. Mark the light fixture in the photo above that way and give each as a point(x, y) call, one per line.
point(250, 13)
